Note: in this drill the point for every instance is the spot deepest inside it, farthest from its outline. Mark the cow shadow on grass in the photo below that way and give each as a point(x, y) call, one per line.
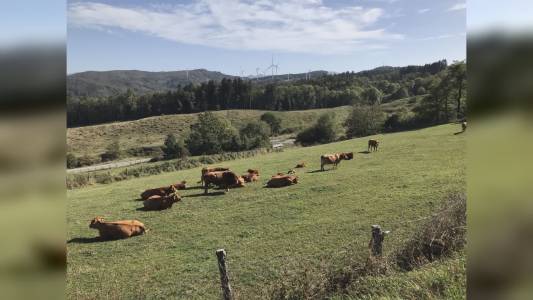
point(315, 171)
point(196, 187)
point(219, 193)
point(364, 152)
point(459, 132)
point(85, 240)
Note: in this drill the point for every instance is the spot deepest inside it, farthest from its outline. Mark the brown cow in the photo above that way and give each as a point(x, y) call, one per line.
point(162, 191)
point(250, 177)
point(181, 186)
point(212, 169)
point(160, 203)
point(300, 165)
point(464, 126)
point(282, 180)
point(334, 159)
point(373, 145)
point(117, 229)
point(225, 179)
point(253, 171)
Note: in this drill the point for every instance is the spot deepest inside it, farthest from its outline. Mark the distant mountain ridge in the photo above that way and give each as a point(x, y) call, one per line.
point(108, 83)
point(103, 84)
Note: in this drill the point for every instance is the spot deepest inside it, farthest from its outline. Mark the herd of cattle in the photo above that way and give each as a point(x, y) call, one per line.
point(164, 197)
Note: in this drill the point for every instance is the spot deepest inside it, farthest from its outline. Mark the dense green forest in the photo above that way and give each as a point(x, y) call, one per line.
point(442, 85)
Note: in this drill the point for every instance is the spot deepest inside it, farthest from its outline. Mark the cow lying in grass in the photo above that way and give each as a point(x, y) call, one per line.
point(162, 202)
point(222, 179)
point(117, 229)
point(211, 169)
point(334, 159)
point(373, 145)
point(163, 191)
point(253, 171)
point(300, 165)
point(282, 180)
point(251, 176)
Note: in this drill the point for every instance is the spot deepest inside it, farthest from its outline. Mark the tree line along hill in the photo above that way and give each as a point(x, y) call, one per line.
point(102, 97)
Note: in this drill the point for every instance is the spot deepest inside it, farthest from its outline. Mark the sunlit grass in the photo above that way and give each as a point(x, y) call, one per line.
point(262, 230)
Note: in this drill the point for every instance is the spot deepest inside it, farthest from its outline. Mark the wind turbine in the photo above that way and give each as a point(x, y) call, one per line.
point(272, 67)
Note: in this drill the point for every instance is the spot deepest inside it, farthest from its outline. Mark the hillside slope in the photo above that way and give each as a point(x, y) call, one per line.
point(265, 231)
point(108, 83)
point(93, 140)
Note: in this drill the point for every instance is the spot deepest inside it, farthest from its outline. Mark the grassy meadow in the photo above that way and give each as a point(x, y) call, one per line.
point(93, 140)
point(264, 231)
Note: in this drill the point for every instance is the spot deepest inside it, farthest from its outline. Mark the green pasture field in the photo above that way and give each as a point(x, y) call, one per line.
point(264, 231)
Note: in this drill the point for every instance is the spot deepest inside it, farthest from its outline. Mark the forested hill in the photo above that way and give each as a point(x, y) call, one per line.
point(109, 83)
point(380, 85)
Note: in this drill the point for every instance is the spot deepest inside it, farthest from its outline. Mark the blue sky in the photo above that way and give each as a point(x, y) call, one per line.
point(32, 21)
point(234, 36)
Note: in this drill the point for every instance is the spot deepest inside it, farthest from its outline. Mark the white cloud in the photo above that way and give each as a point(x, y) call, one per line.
point(442, 36)
point(277, 25)
point(458, 6)
point(423, 10)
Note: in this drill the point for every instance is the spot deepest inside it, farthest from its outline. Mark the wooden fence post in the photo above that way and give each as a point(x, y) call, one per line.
point(376, 243)
point(224, 279)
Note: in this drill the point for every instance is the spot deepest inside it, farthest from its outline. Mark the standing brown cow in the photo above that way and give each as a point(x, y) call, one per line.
point(213, 169)
point(225, 179)
point(117, 229)
point(334, 159)
point(373, 145)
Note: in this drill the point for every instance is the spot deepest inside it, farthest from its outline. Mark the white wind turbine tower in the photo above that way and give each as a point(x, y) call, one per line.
point(272, 67)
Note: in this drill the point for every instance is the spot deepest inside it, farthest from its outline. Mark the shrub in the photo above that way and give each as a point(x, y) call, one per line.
point(402, 120)
point(400, 94)
point(86, 160)
point(112, 152)
point(150, 151)
point(364, 120)
point(72, 161)
point(255, 134)
point(77, 180)
point(212, 134)
point(443, 234)
point(273, 121)
point(323, 131)
point(174, 148)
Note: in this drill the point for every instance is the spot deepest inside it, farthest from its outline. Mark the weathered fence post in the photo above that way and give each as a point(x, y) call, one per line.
point(224, 279)
point(376, 243)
